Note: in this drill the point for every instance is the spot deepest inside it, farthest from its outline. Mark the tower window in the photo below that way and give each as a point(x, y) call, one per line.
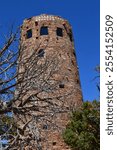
point(70, 35)
point(61, 85)
point(41, 53)
point(59, 32)
point(78, 81)
point(54, 143)
point(44, 31)
point(36, 23)
point(74, 53)
point(29, 34)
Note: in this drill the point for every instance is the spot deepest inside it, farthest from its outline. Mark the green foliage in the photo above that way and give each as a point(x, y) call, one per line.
point(7, 126)
point(83, 131)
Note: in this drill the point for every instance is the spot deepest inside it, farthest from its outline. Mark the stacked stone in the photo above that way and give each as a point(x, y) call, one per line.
point(51, 38)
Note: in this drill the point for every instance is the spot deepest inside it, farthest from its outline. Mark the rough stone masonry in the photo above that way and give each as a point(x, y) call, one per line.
point(51, 86)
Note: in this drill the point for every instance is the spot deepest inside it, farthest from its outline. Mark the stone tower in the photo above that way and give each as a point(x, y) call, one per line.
point(51, 86)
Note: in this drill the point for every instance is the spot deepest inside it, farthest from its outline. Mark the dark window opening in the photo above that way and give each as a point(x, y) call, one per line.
point(45, 127)
point(70, 35)
point(60, 55)
point(78, 81)
point(41, 53)
point(65, 27)
point(36, 23)
point(44, 31)
point(59, 32)
point(74, 53)
point(61, 85)
point(54, 143)
point(29, 34)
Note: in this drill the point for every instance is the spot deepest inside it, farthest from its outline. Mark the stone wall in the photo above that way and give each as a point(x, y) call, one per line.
point(58, 89)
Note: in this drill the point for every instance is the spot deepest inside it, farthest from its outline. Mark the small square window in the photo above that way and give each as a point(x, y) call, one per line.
point(44, 31)
point(54, 143)
point(59, 32)
point(29, 34)
point(41, 53)
point(61, 85)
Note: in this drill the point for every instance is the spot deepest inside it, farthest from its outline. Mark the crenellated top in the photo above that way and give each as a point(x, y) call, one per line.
point(44, 25)
point(46, 18)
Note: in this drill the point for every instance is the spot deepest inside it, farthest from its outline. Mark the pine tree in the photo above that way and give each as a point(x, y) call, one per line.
point(83, 131)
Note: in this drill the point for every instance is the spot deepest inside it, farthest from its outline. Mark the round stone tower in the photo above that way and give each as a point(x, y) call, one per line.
point(51, 85)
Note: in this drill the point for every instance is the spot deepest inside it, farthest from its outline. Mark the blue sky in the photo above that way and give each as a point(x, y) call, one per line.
point(83, 15)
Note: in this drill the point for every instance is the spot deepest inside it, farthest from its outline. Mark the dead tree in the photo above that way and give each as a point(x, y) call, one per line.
point(29, 90)
point(8, 63)
point(39, 100)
